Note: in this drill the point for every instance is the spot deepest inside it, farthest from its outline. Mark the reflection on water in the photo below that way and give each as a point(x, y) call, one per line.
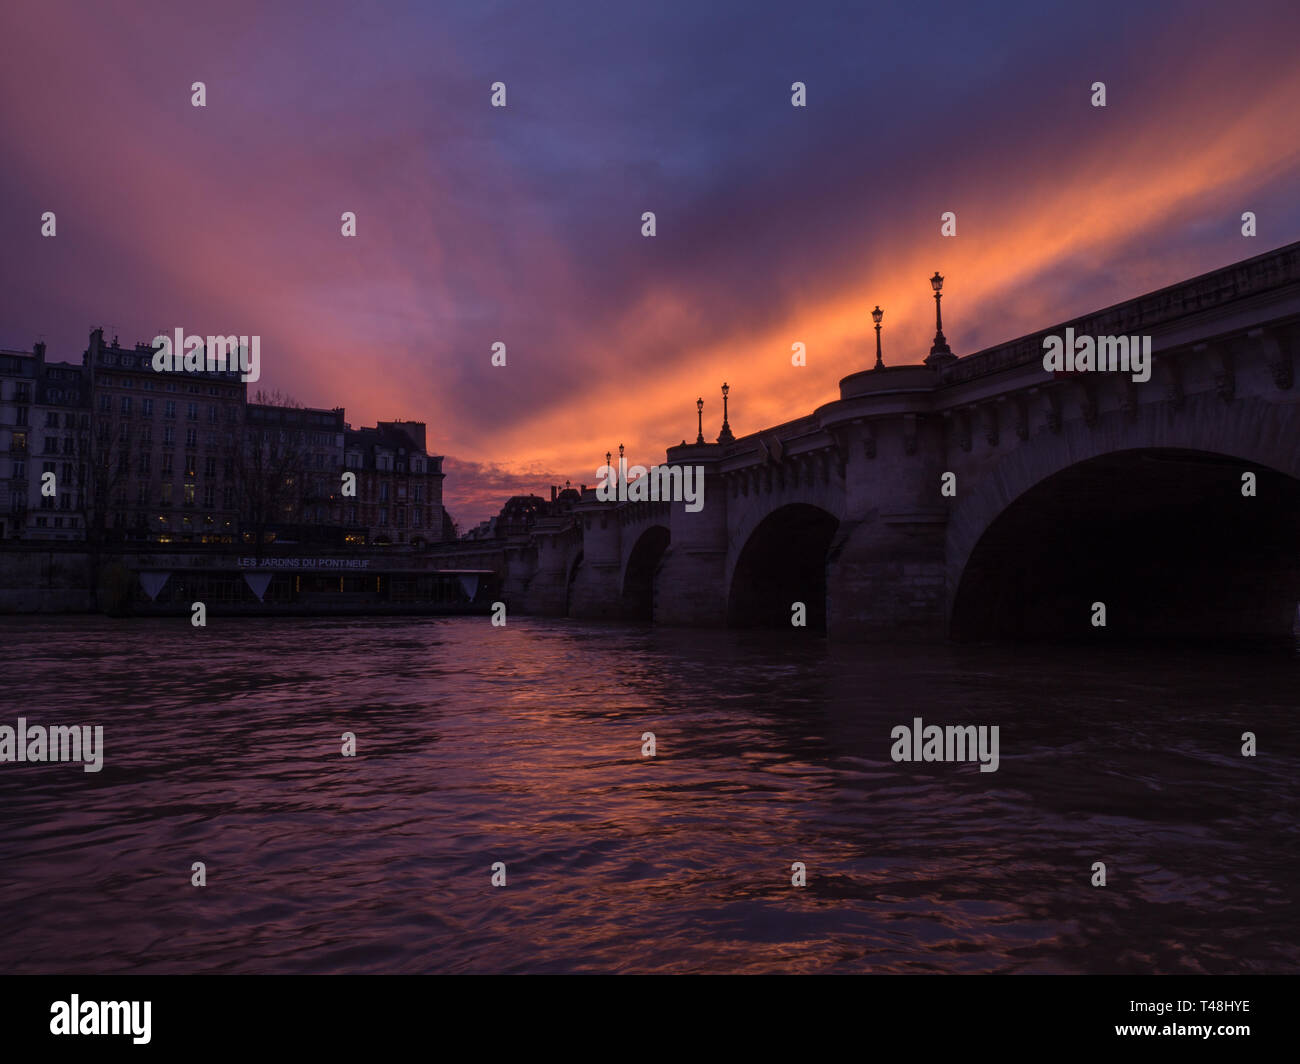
point(523, 745)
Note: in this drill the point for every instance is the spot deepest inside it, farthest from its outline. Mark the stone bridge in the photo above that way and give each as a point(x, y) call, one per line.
point(1062, 491)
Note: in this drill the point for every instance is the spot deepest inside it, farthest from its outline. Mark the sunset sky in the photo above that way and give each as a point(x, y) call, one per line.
point(523, 225)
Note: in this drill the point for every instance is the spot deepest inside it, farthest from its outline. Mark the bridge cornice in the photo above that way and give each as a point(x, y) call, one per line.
point(1210, 294)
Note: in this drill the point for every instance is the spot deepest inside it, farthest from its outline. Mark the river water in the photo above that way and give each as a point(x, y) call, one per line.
point(523, 745)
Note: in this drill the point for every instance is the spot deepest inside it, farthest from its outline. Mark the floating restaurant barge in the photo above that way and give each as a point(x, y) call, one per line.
point(283, 585)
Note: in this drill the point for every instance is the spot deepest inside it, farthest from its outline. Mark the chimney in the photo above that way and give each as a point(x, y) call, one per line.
point(552, 493)
point(38, 349)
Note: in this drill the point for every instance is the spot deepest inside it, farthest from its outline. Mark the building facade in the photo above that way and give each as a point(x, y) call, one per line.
point(291, 475)
point(145, 456)
point(399, 486)
point(18, 377)
point(163, 448)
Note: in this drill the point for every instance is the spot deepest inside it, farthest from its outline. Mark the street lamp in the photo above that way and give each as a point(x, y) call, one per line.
point(622, 469)
point(939, 354)
point(940, 344)
point(726, 435)
point(699, 417)
point(876, 315)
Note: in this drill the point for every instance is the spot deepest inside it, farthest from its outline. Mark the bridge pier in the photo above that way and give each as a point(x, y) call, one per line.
point(885, 578)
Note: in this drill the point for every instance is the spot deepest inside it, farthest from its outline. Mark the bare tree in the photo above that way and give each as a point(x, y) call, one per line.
point(272, 466)
point(100, 464)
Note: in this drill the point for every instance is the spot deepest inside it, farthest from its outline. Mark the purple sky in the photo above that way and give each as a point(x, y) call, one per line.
point(523, 225)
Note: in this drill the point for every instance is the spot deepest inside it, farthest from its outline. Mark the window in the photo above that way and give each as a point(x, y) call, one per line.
point(417, 493)
point(383, 515)
point(191, 437)
point(146, 434)
point(228, 498)
point(51, 420)
point(415, 517)
point(401, 517)
point(209, 496)
point(167, 464)
point(51, 445)
point(144, 464)
point(209, 468)
point(192, 411)
point(166, 493)
point(189, 494)
point(191, 465)
point(142, 493)
point(105, 403)
point(146, 407)
point(169, 435)
point(169, 407)
point(212, 411)
point(67, 444)
point(22, 415)
point(19, 441)
point(383, 492)
point(126, 406)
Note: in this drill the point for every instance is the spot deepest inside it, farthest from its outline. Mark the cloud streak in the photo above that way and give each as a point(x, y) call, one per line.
point(522, 225)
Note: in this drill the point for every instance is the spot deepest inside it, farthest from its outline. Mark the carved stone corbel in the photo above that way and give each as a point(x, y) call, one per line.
point(1128, 397)
point(1022, 415)
point(1053, 397)
point(1224, 368)
point(991, 429)
point(1173, 374)
point(1279, 361)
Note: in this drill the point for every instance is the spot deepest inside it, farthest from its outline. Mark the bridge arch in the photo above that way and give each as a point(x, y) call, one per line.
point(1146, 515)
point(640, 572)
point(779, 558)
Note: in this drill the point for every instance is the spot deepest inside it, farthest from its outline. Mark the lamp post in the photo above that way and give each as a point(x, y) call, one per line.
point(609, 458)
point(940, 355)
point(940, 344)
point(699, 417)
point(876, 315)
point(622, 468)
point(725, 436)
